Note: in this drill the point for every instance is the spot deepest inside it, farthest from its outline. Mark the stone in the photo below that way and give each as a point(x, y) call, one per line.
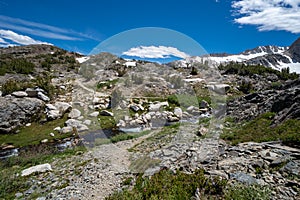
point(178, 112)
point(53, 114)
point(18, 195)
point(292, 167)
point(19, 94)
point(44, 141)
point(82, 127)
point(121, 123)
point(204, 104)
point(106, 113)
point(52, 134)
point(94, 114)
point(202, 131)
point(151, 171)
point(218, 173)
point(58, 129)
point(280, 161)
point(62, 87)
point(41, 198)
point(66, 129)
point(135, 108)
point(147, 117)
point(63, 107)
point(72, 123)
point(75, 113)
point(50, 107)
point(243, 178)
point(190, 109)
point(28, 124)
point(36, 169)
point(157, 106)
point(87, 122)
point(31, 92)
point(16, 112)
point(173, 119)
point(43, 97)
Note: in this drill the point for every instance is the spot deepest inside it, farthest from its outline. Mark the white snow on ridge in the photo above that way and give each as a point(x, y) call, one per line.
point(82, 59)
point(236, 58)
point(294, 67)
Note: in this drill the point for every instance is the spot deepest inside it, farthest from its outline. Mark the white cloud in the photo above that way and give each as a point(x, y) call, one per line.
point(42, 30)
point(269, 14)
point(155, 52)
point(17, 38)
point(2, 41)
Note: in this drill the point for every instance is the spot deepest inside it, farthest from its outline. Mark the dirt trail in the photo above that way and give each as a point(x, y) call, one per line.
point(105, 173)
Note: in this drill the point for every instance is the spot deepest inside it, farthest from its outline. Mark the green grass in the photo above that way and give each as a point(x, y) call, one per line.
point(246, 192)
point(260, 130)
point(128, 136)
point(33, 134)
point(120, 137)
point(107, 122)
point(167, 185)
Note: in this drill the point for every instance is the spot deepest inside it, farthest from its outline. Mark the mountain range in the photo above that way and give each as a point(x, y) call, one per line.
point(270, 56)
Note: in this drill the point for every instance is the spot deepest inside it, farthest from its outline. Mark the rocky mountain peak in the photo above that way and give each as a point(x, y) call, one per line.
point(265, 49)
point(294, 51)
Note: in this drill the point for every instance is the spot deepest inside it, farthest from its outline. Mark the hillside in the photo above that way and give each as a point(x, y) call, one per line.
point(106, 127)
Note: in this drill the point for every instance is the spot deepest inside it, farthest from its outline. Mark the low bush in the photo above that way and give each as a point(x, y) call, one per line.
point(169, 185)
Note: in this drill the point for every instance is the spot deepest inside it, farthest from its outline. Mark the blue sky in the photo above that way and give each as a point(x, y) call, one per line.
point(219, 26)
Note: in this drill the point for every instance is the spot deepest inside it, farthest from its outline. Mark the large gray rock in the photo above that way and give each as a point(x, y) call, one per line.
point(31, 92)
point(36, 169)
point(74, 114)
point(53, 114)
point(42, 96)
point(63, 107)
point(157, 106)
point(178, 112)
point(284, 102)
point(16, 112)
point(19, 94)
point(57, 110)
point(73, 123)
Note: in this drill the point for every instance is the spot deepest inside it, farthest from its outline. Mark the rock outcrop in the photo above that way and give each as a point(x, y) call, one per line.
point(16, 112)
point(284, 102)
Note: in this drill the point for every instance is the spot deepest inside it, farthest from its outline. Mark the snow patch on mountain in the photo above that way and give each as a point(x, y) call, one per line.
point(270, 56)
point(83, 59)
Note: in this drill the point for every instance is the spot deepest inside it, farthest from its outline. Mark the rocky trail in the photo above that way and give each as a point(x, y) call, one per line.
point(102, 172)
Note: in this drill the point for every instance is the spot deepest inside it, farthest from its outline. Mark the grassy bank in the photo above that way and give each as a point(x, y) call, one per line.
point(261, 129)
